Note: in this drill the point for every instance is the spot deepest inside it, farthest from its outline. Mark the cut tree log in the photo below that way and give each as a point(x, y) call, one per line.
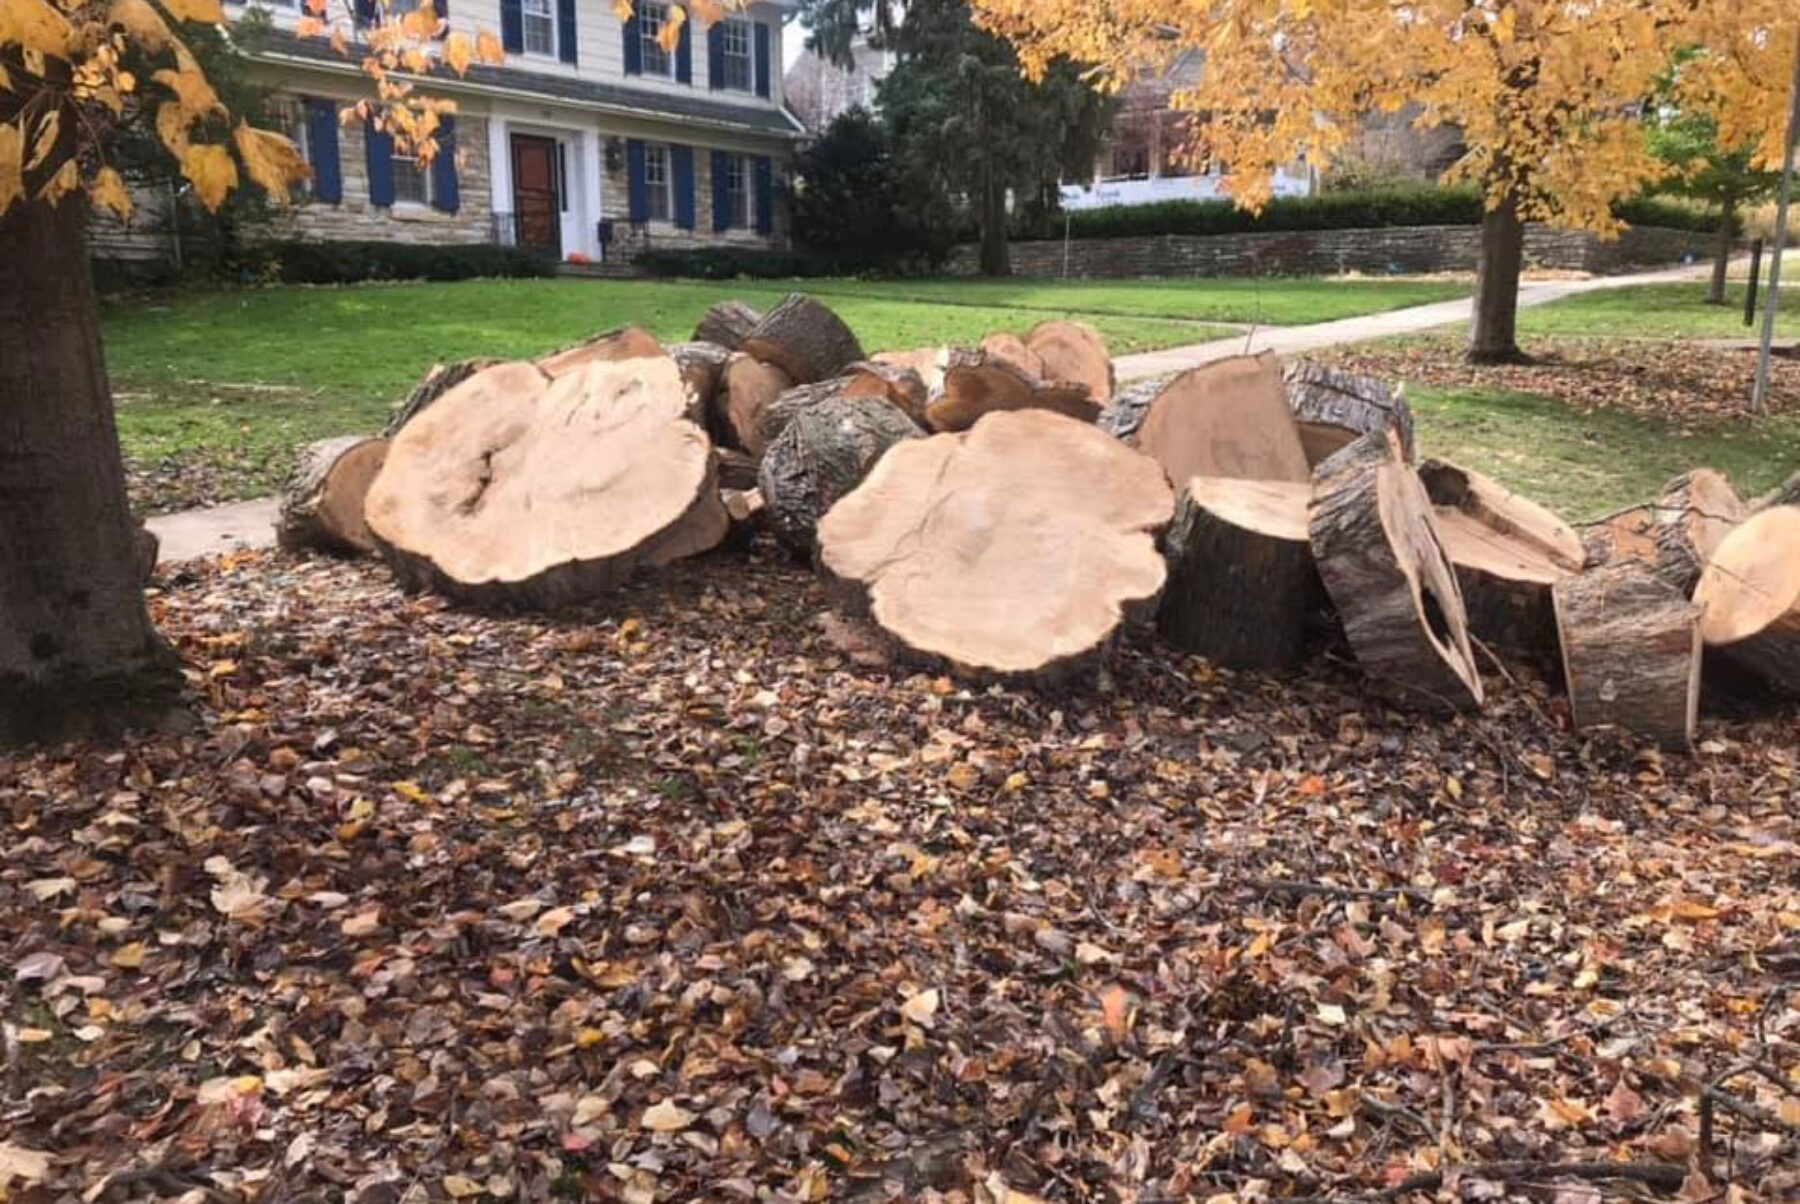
point(822, 454)
point(746, 513)
point(928, 362)
point(1383, 562)
point(1224, 419)
point(625, 343)
point(1628, 534)
point(727, 324)
point(737, 469)
point(1785, 494)
point(1016, 547)
point(1004, 345)
point(748, 387)
point(1630, 652)
point(805, 339)
point(322, 506)
point(1124, 414)
point(702, 367)
point(775, 416)
point(1073, 353)
point(1242, 587)
point(977, 383)
point(515, 489)
point(1508, 552)
point(1750, 592)
point(900, 386)
point(1333, 408)
point(437, 381)
point(1693, 514)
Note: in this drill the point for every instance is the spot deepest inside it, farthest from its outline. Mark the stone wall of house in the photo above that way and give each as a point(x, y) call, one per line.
point(1404, 249)
point(630, 241)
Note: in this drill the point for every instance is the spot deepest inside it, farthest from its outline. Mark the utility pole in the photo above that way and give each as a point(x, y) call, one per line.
point(1759, 400)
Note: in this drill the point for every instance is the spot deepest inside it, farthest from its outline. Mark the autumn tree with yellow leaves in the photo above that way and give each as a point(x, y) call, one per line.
point(1548, 95)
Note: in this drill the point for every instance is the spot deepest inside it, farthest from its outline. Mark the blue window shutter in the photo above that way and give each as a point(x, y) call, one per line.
point(765, 195)
point(640, 195)
point(721, 193)
point(684, 54)
point(681, 162)
point(445, 193)
point(762, 59)
point(366, 13)
point(512, 27)
point(442, 9)
point(715, 55)
point(322, 144)
point(634, 47)
point(380, 145)
point(565, 30)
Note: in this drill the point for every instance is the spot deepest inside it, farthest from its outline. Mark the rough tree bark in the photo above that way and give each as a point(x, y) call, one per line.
point(1494, 337)
point(1631, 652)
point(78, 653)
point(1715, 294)
point(996, 260)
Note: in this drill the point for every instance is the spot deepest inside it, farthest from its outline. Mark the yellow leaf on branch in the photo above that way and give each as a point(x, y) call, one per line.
point(12, 166)
point(141, 23)
point(36, 27)
point(208, 11)
point(66, 180)
point(210, 170)
point(107, 191)
point(273, 162)
point(44, 141)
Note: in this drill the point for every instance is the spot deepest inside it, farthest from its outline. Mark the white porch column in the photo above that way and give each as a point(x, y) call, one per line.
point(500, 176)
point(593, 190)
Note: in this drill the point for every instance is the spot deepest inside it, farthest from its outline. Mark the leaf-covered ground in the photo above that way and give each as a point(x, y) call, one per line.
point(686, 900)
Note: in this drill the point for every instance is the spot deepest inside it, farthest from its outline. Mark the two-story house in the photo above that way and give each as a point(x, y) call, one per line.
point(591, 133)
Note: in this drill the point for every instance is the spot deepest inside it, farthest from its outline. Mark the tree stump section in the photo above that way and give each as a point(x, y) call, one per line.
point(791, 404)
point(1630, 652)
point(1013, 548)
point(727, 324)
point(805, 339)
point(1629, 534)
point(737, 469)
point(749, 386)
point(823, 453)
point(322, 505)
point(1693, 515)
point(615, 346)
point(1333, 408)
point(516, 490)
point(439, 380)
point(1383, 562)
point(702, 368)
point(1073, 353)
point(1004, 345)
point(977, 383)
point(1509, 552)
point(901, 387)
point(1124, 415)
point(1750, 592)
point(1225, 419)
point(1242, 587)
point(928, 362)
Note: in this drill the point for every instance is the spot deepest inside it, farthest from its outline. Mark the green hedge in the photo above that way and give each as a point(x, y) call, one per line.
point(729, 263)
point(349, 262)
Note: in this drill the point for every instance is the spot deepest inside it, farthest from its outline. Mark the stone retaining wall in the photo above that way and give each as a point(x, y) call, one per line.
point(1376, 252)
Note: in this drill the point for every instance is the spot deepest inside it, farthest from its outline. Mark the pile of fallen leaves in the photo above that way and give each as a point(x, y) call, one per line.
point(1668, 380)
point(676, 901)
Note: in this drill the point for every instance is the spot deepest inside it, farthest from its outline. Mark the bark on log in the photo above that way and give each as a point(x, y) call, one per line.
point(793, 402)
point(749, 386)
point(1333, 408)
point(1508, 552)
point(702, 368)
point(745, 511)
point(439, 380)
point(928, 362)
point(1242, 586)
point(1383, 563)
point(1016, 547)
point(1124, 415)
point(1785, 494)
point(727, 324)
point(518, 490)
point(1694, 513)
point(821, 455)
point(615, 346)
point(1004, 345)
point(1750, 592)
point(1630, 652)
point(977, 384)
point(1224, 419)
point(900, 386)
point(1629, 534)
point(322, 506)
point(805, 339)
point(1074, 353)
point(737, 469)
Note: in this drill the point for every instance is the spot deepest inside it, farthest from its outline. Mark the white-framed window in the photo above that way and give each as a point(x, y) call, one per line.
point(290, 119)
point(539, 20)
point(739, 196)
point(412, 181)
point(651, 18)
point(659, 182)
point(740, 63)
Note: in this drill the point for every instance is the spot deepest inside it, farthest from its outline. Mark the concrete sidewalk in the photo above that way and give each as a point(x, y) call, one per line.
point(190, 533)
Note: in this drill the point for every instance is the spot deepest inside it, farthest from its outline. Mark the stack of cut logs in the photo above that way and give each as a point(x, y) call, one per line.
point(1004, 509)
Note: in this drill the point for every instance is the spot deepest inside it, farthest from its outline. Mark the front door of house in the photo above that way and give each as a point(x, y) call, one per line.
point(537, 206)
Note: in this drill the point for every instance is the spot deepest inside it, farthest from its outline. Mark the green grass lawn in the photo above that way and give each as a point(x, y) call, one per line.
point(1662, 311)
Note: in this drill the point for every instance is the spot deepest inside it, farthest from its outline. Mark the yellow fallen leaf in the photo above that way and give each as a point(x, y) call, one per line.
point(363, 923)
point(460, 1187)
point(129, 957)
point(554, 921)
point(667, 1117)
point(23, 1165)
point(921, 1007)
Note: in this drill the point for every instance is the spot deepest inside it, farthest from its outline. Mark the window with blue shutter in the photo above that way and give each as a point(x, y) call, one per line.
point(322, 151)
point(684, 54)
point(512, 26)
point(762, 59)
point(446, 194)
point(715, 55)
point(635, 189)
point(565, 30)
point(765, 195)
point(379, 145)
point(682, 161)
point(366, 12)
point(634, 45)
point(442, 9)
point(721, 190)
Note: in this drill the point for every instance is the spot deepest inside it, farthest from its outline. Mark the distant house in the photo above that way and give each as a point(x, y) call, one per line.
point(818, 90)
point(591, 139)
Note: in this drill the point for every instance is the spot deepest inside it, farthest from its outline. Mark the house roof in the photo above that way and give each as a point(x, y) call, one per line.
point(280, 45)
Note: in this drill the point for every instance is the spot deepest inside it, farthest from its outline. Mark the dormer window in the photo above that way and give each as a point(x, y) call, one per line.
point(736, 55)
point(538, 19)
point(651, 19)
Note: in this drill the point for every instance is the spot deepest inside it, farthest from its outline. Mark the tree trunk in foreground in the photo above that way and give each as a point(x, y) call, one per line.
point(1494, 337)
point(77, 651)
point(994, 258)
point(1722, 252)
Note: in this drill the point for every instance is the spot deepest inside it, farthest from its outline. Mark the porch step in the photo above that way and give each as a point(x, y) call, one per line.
point(599, 271)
